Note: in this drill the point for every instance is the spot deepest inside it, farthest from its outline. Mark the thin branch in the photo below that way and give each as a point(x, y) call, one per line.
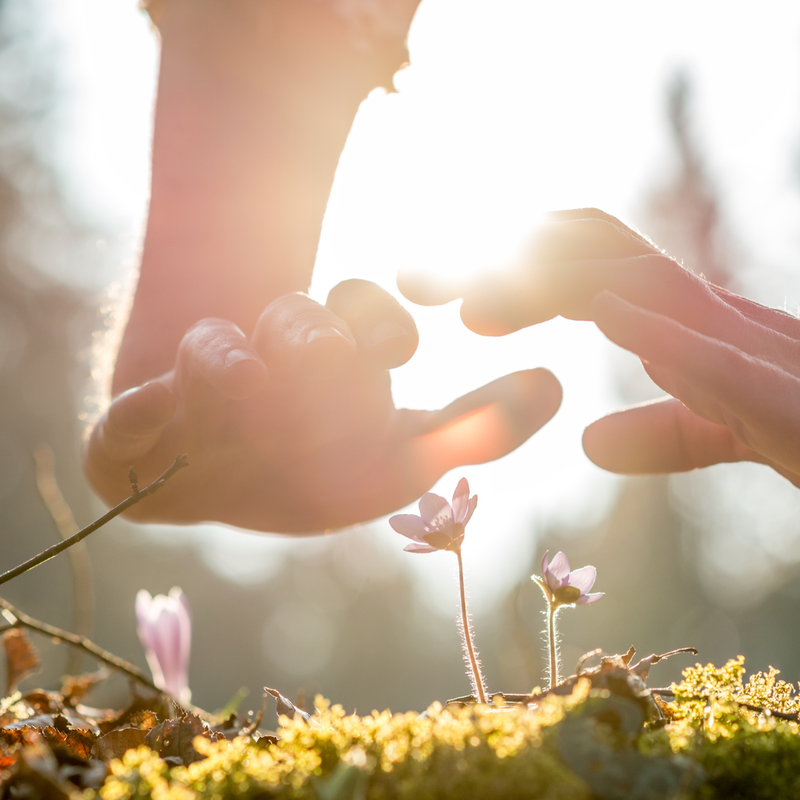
point(179, 463)
point(17, 618)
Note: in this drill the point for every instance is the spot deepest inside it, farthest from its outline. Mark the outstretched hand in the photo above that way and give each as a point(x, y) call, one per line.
point(731, 366)
point(294, 429)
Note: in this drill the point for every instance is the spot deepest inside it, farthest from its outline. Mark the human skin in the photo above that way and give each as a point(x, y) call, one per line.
point(282, 404)
point(730, 365)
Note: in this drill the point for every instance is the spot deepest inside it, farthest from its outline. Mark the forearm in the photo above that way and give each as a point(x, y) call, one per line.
point(255, 101)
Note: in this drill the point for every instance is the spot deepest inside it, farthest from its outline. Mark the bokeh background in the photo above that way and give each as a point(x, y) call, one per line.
point(681, 119)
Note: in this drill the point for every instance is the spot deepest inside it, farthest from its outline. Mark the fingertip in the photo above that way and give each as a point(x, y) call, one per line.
point(390, 343)
point(386, 333)
point(424, 290)
point(595, 443)
point(147, 407)
point(327, 348)
point(297, 336)
point(531, 398)
point(132, 423)
point(244, 374)
point(486, 319)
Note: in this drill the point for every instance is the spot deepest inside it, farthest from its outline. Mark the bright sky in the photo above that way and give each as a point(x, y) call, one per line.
point(510, 108)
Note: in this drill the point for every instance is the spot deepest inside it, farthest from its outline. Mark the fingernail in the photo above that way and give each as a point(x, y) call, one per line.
point(235, 356)
point(324, 332)
point(385, 331)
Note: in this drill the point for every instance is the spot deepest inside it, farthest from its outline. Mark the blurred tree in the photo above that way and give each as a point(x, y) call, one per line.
point(43, 324)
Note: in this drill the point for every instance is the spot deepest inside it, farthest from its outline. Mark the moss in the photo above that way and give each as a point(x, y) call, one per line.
point(728, 728)
point(722, 740)
point(464, 753)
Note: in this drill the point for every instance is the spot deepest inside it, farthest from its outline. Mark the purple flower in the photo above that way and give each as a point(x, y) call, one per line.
point(164, 625)
point(564, 588)
point(440, 525)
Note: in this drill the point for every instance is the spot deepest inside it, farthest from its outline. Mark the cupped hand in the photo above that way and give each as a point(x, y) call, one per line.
point(731, 366)
point(294, 429)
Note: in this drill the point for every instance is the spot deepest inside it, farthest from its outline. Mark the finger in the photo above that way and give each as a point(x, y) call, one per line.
point(772, 318)
point(132, 424)
point(546, 289)
point(298, 336)
point(385, 332)
point(480, 426)
point(658, 438)
point(562, 236)
point(755, 399)
point(216, 362)
point(652, 282)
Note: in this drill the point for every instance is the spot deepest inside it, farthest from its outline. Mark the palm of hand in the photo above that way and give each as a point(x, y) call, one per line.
point(300, 434)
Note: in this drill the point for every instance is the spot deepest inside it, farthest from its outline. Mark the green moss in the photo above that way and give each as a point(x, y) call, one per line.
point(743, 752)
point(721, 740)
point(464, 753)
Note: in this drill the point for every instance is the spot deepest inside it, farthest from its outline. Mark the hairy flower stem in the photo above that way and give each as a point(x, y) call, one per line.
point(552, 641)
point(466, 633)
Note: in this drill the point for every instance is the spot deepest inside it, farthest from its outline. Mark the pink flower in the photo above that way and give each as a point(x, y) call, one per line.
point(440, 525)
point(164, 625)
point(564, 588)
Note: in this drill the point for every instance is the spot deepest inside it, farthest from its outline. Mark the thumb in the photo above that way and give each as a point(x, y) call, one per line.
point(482, 426)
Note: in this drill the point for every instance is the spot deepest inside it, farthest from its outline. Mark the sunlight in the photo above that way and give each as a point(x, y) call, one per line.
point(509, 109)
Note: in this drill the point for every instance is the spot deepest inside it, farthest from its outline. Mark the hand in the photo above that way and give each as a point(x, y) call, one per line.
point(731, 365)
point(294, 429)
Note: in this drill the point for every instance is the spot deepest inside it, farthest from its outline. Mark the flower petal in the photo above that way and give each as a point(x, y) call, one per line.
point(144, 623)
point(558, 570)
point(460, 500)
point(415, 547)
point(585, 599)
point(582, 578)
point(436, 512)
point(470, 509)
point(409, 525)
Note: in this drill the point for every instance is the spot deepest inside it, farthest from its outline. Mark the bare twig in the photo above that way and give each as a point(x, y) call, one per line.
point(17, 618)
point(79, 560)
point(179, 463)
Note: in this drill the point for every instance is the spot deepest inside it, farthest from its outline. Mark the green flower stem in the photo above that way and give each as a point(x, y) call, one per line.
point(466, 632)
point(553, 643)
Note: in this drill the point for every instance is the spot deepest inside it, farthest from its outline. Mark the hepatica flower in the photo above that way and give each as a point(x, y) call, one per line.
point(563, 588)
point(164, 625)
point(440, 526)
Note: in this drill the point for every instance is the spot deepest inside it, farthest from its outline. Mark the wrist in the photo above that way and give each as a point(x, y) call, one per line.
point(255, 101)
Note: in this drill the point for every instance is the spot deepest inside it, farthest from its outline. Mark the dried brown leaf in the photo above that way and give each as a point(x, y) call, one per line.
point(75, 688)
point(36, 773)
point(73, 743)
point(286, 708)
point(21, 658)
point(173, 739)
point(116, 743)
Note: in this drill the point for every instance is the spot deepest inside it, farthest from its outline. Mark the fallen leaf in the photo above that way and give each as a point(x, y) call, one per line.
point(286, 708)
point(21, 658)
point(74, 688)
point(74, 742)
point(116, 743)
point(173, 739)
